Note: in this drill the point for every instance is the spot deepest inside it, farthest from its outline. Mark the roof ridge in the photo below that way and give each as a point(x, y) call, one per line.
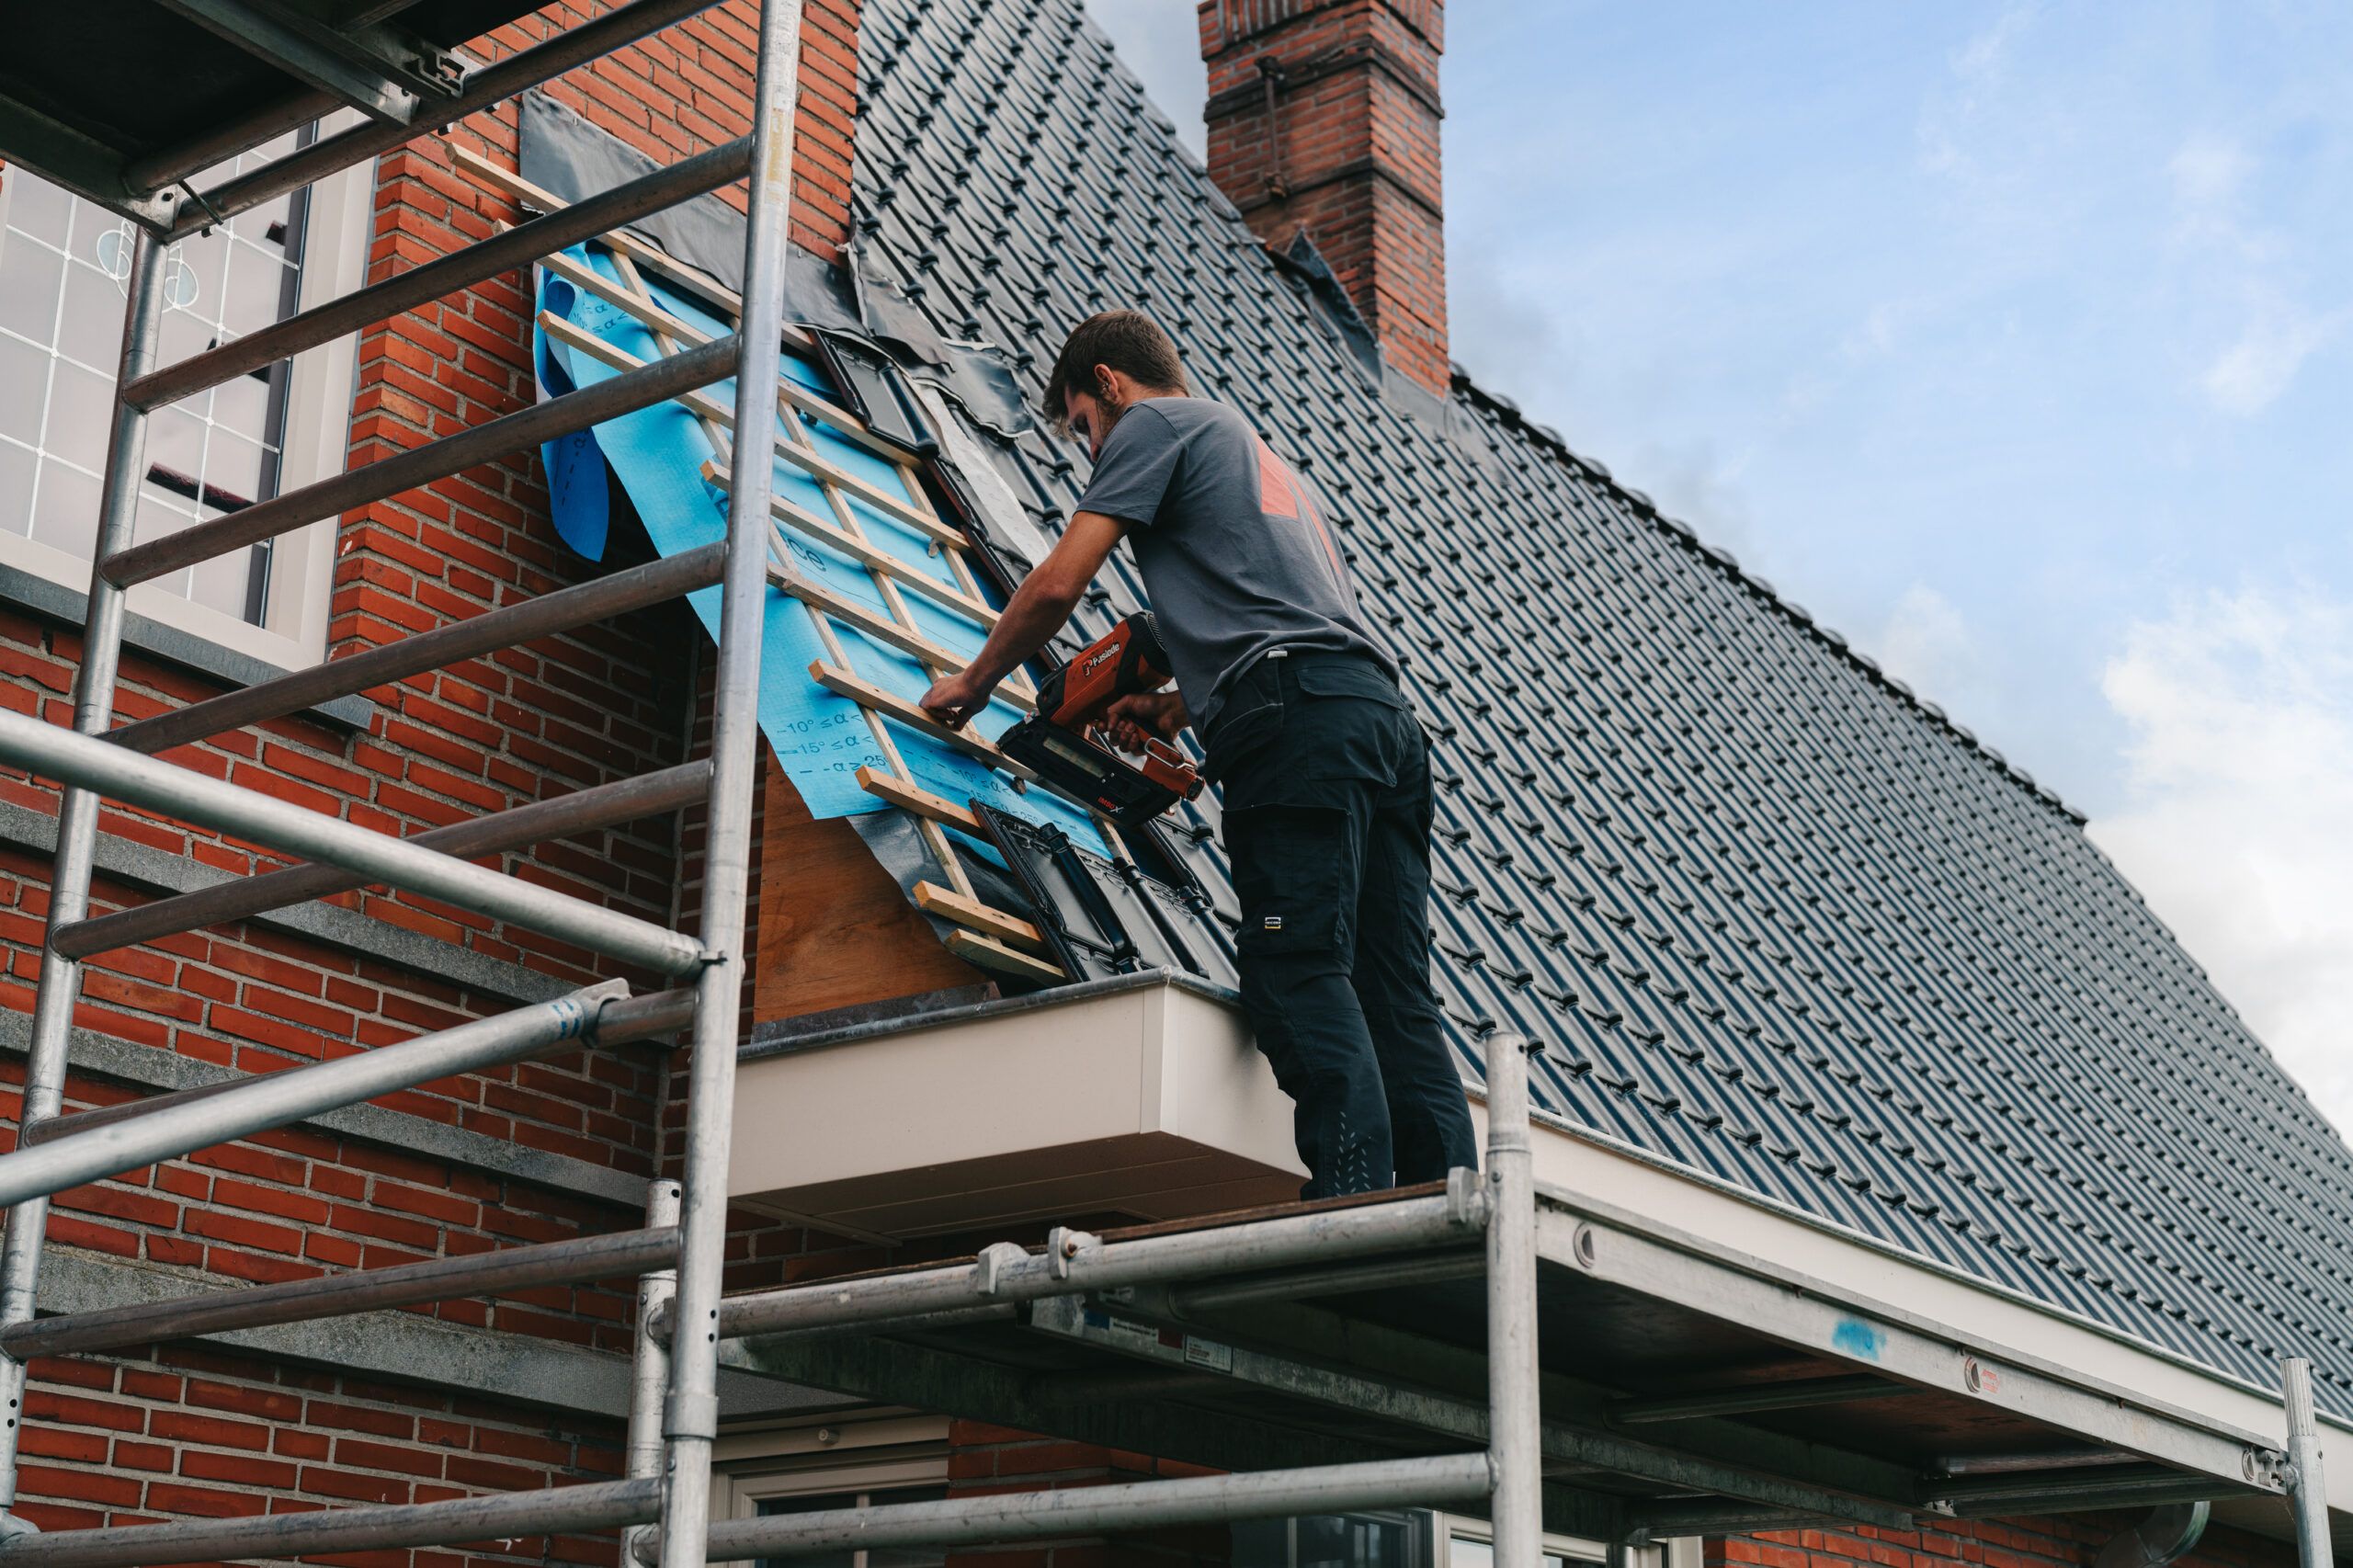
point(1723, 561)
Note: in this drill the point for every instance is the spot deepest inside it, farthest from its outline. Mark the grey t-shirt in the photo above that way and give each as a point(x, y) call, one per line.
point(1234, 551)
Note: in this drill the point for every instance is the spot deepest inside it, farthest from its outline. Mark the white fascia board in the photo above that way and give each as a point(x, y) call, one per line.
point(1141, 1099)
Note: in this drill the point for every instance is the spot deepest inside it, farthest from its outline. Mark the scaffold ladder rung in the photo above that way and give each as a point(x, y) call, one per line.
point(583, 811)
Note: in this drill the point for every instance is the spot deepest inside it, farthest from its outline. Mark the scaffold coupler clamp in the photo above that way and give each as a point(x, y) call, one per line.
point(1062, 1247)
point(989, 1267)
point(1466, 1199)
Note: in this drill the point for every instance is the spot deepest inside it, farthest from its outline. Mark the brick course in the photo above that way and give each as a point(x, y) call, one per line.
point(190, 1430)
point(1981, 1543)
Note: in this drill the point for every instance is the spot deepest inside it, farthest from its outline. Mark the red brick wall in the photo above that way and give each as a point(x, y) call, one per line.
point(187, 1430)
point(1350, 152)
point(1979, 1544)
point(190, 1430)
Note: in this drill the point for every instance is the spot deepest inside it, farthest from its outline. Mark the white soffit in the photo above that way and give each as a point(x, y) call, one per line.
point(1142, 1101)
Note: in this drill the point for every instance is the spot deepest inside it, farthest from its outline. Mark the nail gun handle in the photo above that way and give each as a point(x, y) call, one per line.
point(1128, 658)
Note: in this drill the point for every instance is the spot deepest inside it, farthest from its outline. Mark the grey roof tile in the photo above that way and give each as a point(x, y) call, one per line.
point(1778, 918)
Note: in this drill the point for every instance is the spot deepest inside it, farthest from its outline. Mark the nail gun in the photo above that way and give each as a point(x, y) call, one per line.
point(1059, 745)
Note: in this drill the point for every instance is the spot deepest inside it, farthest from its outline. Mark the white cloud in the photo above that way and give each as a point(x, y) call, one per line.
point(1929, 645)
point(1955, 115)
point(2240, 827)
point(2208, 172)
point(2250, 375)
point(1925, 642)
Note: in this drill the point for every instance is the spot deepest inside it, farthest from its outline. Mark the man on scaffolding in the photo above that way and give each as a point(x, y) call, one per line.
point(1324, 769)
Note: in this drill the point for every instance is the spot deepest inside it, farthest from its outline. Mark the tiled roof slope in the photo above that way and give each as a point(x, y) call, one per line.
point(1778, 921)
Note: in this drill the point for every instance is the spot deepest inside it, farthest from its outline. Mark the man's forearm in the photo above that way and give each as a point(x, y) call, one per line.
point(1027, 623)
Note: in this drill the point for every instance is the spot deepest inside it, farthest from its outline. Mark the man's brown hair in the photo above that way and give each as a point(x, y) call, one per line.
point(1129, 342)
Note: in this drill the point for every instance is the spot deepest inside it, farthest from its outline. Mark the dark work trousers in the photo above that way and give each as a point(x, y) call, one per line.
point(1325, 778)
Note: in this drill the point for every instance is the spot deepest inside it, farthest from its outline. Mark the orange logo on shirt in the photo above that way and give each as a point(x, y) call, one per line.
point(1281, 495)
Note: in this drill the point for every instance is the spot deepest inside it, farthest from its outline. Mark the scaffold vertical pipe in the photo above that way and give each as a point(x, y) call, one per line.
point(78, 822)
point(2308, 1493)
point(649, 1364)
point(690, 1419)
point(1514, 1436)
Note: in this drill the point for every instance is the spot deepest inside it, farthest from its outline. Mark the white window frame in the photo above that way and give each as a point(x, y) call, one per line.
point(859, 1451)
point(316, 446)
point(1448, 1528)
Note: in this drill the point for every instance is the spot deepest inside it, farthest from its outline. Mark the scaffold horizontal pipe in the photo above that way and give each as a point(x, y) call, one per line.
point(222, 143)
point(1006, 1517)
point(632, 1018)
point(1076, 1262)
point(586, 604)
point(1304, 1284)
point(583, 811)
point(482, 87)
point(50, 752)
point(168, 1130)
point(599, 1506)
point(657, 381)
point(518, 246)
point(1976, 1493)
point(341, 1295)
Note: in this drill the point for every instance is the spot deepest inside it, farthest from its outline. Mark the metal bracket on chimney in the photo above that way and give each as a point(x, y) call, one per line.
point(1273, 78)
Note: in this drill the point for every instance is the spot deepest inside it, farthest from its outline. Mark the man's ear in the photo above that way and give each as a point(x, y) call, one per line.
point(1106, 390)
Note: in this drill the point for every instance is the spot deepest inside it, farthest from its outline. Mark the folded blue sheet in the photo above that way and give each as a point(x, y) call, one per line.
point(659, 454)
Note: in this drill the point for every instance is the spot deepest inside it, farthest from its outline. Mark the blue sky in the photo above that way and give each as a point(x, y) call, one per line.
point(2015, 341)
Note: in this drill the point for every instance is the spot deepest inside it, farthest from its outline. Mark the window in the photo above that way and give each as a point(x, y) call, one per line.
point(65, 265)
point(1460, 1542)
point(1369, 1540)
point(886, 1557)
point(861, 1459)
point(1415, 1539)
point(844, 1462)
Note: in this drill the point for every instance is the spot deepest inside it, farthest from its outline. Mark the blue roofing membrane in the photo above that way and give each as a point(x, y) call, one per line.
point(1778, 920)
point(659, 454)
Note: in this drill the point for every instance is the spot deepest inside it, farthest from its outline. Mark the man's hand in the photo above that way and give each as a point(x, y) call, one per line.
point(953, 699)
point(1036, 612)
point(1145, 715)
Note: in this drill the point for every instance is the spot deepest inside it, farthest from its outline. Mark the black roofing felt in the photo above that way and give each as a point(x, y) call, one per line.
point(1776, 919)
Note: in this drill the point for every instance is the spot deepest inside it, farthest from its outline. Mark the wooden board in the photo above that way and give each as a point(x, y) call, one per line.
point(974, 916)
point(994, 955)
point(916, 799)
point(835, 928)
point(841, 683)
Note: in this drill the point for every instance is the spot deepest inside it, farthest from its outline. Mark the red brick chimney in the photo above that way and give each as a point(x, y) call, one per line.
point(1323, 115)
point(824, 126)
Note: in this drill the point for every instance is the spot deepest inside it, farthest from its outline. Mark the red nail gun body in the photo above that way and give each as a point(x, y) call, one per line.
point(1058, 743)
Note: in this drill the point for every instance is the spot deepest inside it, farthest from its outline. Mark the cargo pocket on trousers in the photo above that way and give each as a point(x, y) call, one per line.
point(1294, 876)
point(1237, 736)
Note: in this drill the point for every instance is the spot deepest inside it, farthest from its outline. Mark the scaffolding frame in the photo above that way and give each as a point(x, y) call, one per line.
point(95, 759)
point(664, 1498)
point(1488, 1418)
